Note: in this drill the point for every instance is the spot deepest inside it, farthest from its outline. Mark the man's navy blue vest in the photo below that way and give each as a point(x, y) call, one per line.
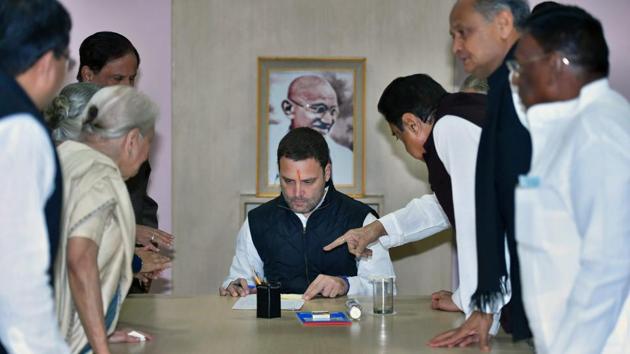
point(292, 254)
point(14, 100)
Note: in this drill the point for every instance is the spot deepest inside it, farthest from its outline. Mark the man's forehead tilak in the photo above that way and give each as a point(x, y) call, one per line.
point(299, 179)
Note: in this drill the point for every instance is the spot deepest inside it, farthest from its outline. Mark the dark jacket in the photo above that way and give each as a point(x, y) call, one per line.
point(144, 208)
point(467, 106)
point(292, 254)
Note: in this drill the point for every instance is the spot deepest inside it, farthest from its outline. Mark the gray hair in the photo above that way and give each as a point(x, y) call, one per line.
point(490, 8)
point(115, 110)
point(64, 113)
point(475, 85)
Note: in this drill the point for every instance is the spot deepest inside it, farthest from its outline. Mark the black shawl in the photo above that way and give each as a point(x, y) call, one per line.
point(504, 154)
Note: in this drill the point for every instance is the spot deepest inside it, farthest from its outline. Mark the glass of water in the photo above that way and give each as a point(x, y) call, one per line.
point(383, 295)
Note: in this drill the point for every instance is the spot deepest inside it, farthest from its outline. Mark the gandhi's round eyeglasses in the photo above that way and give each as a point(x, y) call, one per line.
point(317, 108)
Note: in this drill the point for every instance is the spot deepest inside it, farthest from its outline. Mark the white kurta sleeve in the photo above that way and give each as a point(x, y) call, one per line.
point(27, 318)
point(600, 199)
point(246, 258)
point(379, 264)
point(422, 217)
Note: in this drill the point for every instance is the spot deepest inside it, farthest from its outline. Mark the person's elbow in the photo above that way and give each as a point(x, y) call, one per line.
point(81, 256)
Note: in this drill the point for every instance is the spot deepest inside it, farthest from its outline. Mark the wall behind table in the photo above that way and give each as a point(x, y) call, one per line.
point(149, 29)
point(215, 46)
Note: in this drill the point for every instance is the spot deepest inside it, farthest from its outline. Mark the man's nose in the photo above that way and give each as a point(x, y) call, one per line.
point(298, 188)
point(456, 45)
point(328, 118)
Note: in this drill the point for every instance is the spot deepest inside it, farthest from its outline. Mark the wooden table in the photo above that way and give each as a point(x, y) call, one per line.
point(207, 324)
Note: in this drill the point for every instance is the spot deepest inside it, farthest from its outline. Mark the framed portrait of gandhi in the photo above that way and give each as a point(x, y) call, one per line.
point(325, 94)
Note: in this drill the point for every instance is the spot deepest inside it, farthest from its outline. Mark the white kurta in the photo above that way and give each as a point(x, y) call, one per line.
point(27, 314)
point(572, 229)
point(456, 143)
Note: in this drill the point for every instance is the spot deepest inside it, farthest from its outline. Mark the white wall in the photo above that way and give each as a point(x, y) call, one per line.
point(147, 24)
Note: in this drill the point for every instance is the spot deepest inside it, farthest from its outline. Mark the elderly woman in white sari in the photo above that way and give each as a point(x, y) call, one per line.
point(93, 266)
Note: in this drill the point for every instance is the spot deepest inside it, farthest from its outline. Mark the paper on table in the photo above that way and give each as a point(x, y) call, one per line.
point(290, 302)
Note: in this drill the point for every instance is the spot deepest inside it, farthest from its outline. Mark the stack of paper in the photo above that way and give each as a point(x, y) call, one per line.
point(291, 302)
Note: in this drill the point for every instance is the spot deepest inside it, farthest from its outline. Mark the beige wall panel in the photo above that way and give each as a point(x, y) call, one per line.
point(215, 46)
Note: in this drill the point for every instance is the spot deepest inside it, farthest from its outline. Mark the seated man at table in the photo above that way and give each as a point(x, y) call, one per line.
point(282, 239)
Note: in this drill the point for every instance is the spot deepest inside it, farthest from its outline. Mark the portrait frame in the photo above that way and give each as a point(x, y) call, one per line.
point(346, 75)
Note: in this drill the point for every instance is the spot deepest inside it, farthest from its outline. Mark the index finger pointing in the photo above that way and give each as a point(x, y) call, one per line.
point(313, 289)
point(336, 243)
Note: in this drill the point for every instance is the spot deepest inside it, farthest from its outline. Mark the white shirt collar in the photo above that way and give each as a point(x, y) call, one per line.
point(544, 113)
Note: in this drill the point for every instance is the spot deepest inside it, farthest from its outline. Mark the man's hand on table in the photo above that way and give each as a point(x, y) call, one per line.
point(124, 336)
point(237, 288)
point(327, 286)
point(359, 239)
point(474, 330)
point(443, 300)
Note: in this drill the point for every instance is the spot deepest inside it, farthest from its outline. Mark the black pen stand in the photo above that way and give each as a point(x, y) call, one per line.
point(268, 300)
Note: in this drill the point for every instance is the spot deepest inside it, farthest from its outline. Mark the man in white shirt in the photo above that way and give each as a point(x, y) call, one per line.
point(573, 207)
point(443, 130)
point(33, 63)
point(282, 239)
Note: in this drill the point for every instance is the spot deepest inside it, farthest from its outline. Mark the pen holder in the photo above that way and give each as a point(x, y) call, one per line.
point(268, 300)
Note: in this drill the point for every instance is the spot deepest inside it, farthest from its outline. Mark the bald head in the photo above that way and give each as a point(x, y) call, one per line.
point(312, 88)
point(311, 102)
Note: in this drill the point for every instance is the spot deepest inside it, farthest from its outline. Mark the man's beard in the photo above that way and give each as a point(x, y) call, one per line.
point(304, 205)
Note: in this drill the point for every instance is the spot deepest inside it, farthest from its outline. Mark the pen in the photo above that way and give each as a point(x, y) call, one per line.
point(256, 278)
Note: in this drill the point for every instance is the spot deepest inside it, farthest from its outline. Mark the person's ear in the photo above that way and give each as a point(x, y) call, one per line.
point(46, 64)
point(557, 68)
point(287, 108)
point(43, 67)
point(410, 122)
point(131, 142)
point(87, 74)
point(327, 172)
point(45, 75)
point(504, 21)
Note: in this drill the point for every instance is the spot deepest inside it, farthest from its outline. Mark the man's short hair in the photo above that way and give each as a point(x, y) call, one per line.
point(418, 94)
point(28, 30)
point(544, 6)
point(490, 8)
point(302, 144)
point(102, 47)
point(573, 32)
